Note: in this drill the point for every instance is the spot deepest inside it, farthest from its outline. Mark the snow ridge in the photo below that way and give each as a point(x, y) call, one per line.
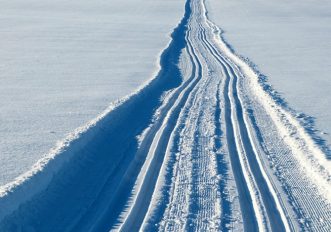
point(97, 140)
point(202, 147)
point(312, 157)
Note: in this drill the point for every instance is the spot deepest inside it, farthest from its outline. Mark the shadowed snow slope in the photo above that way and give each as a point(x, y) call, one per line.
point(63, 62)
point(87, 184)
point(205, 146)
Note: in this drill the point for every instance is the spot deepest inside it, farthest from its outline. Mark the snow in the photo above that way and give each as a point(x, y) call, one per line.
point(205, 145)
point(290, 41)
point(63, 62)
point(312, 171)
point(92, 153)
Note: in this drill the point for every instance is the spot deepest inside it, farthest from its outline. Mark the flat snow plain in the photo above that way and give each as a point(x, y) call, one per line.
point(63, 62)
point(290, 41)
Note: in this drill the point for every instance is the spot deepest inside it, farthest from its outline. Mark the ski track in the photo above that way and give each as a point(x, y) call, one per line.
point(202, 147)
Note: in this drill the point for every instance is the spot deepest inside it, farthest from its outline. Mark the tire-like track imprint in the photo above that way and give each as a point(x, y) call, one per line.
point(215, 153)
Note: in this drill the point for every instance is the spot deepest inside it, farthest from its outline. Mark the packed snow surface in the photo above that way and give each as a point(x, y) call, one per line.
point(290, 42)
point(63, 62)
point(206, 145)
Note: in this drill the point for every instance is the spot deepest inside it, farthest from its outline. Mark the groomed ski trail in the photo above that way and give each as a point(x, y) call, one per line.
point(202, 147)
